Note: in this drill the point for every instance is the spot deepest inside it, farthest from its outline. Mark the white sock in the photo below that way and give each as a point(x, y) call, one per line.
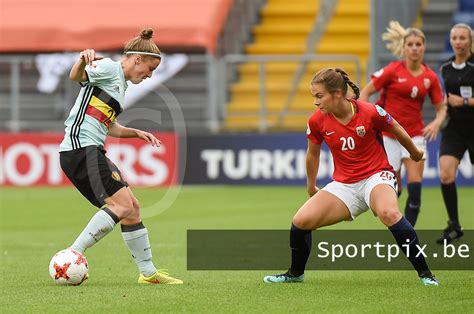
point(97, 228)
point(136, 238)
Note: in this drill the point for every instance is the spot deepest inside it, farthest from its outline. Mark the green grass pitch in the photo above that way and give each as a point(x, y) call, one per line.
point(37, 222)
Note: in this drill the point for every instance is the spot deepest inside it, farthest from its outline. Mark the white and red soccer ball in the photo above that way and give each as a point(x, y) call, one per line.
point(68, 267)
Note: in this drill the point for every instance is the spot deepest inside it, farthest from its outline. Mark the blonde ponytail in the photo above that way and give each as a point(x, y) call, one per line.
point(397, 34)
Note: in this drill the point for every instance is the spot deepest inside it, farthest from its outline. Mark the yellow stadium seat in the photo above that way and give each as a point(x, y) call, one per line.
point(284, 29)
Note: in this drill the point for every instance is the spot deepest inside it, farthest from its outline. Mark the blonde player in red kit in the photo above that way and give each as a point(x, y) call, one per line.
point(363, 177)
point(403, 86)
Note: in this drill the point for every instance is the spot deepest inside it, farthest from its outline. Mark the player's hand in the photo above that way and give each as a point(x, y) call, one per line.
point(148, 137)
point(418, 155)
point(455, 100)
point(312, 190)
point(88, 56)
point(430, 132)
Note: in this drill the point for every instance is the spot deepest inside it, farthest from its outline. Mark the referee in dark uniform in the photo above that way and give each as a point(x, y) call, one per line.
point(458, 136)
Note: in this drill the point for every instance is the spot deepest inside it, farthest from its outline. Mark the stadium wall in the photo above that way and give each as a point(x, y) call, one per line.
point(277, 159)
point(28, 159)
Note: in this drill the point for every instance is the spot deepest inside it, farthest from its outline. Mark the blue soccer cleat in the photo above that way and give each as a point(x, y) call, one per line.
point(429, 280)
point(283, 278)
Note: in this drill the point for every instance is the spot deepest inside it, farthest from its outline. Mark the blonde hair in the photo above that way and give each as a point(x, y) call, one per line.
point(143, 42)
point(334, 79)
point(397, 35)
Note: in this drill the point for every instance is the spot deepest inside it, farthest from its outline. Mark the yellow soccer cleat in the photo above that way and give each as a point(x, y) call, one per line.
point(160, 277)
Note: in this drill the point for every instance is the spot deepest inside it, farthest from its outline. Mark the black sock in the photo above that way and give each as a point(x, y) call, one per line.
point(402, 231)
point(450, 197)
point(300, 243)
point(412, 207)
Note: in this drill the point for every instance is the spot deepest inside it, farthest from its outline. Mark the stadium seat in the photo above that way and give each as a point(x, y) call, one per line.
point(466, 6)
point(464, 17)
point(338, 39)
point(465, 14)
point(284, 29)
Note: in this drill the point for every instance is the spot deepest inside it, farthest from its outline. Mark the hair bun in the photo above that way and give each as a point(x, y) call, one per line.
point(146, 33)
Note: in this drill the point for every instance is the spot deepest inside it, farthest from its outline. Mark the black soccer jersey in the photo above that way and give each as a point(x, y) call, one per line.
point(459, 80)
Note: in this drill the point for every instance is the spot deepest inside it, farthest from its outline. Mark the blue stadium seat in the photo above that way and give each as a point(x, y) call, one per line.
point(466, 5)
point(464, 17)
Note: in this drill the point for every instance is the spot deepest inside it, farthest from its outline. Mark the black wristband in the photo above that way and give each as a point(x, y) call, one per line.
point(465, 101)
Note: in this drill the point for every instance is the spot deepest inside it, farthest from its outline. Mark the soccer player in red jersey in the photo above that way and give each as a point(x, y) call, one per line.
point(363, 178)
point(403, 86)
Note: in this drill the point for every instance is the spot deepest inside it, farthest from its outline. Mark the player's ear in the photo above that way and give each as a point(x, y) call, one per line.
point(337, 93)
point(138, 59)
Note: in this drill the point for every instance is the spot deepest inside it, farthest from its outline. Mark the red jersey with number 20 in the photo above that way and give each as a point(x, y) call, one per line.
point(402, 94)
point(357, 147)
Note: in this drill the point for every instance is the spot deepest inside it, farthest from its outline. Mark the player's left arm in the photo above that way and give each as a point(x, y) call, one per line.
point(118, 130)
point(430, 132)
point(403, 138)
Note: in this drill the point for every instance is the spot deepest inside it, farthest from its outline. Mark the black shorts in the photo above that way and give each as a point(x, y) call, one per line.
point(92, 173)
point(456, 140)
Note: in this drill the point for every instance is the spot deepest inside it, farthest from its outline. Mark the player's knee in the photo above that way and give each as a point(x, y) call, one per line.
point(123, 208)
point(389, 217)
point(136, 206)
point(302, 223)
point(446, 176)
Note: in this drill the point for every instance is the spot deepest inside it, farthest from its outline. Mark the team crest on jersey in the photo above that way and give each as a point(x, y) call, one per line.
point(115, 176)
point(426, 83)
point(380, 110)
point(360, 130)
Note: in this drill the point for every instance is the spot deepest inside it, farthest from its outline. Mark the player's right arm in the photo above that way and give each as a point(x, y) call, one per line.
point(312, 166)
point(78, 70)
point(403, 138)
point(367, 91)
point(379, 79)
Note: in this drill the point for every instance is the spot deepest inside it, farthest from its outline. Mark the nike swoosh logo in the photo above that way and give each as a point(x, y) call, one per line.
point(329, 133)
point(401, 80)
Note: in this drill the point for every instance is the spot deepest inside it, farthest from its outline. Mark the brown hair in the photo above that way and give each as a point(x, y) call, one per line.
point(397, 36)
point(334, 79)
point(143, 43)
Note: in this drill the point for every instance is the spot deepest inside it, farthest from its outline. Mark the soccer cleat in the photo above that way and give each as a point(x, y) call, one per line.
point(283, 278)
point(451, 233)
point(429, 280)
point(160, 277)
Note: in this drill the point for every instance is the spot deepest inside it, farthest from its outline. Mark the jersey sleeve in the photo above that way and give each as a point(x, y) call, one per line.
point(382, 119)
point(313, 133)
point(436, 92)
point(101, 71)
point(382, 77)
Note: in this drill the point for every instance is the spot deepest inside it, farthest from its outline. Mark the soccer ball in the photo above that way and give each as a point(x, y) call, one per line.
point(68, 267)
